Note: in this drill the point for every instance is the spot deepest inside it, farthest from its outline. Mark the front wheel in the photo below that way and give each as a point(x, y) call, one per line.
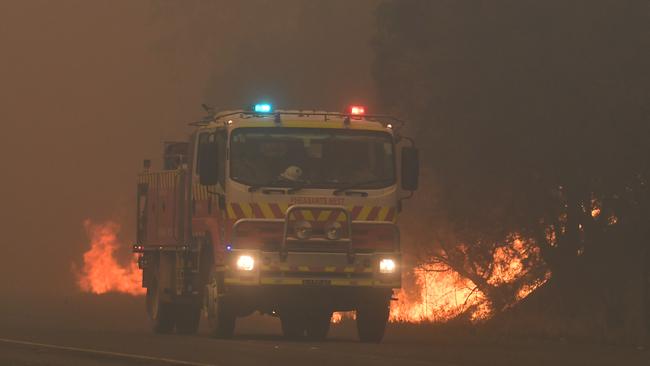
point(371, 320)
point(220, 315)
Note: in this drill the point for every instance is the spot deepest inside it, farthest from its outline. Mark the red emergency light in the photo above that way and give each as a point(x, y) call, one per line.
point(357, 110)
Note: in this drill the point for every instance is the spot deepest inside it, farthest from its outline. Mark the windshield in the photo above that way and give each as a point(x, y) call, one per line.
point(309, 157)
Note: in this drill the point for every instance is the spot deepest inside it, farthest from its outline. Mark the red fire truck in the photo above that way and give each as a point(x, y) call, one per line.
point(290, 213)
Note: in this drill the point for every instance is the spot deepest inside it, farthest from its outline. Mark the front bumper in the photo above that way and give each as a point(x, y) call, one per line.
point(309, 269)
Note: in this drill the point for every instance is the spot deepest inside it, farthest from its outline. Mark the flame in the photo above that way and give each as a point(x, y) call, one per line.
point(438, 293)
point(433, 292)
point(441, 294)
point(101, 272)
point(595, 208)
point(529, 288)
point(338, 316)
point(508, 264)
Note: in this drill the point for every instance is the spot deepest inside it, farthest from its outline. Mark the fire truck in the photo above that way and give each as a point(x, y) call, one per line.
point(289, 213)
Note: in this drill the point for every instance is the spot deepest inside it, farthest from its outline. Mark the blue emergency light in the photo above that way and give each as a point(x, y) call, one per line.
point(263, 108)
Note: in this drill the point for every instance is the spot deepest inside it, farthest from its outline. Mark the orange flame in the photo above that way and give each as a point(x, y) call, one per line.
point(441, 294)
point(101, 272)
point(338, 316)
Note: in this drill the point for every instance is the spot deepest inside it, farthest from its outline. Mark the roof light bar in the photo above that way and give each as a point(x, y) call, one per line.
point(357, 110)
point(263, 108)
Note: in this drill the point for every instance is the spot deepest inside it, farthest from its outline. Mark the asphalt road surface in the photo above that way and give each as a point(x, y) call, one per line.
point(112, 330)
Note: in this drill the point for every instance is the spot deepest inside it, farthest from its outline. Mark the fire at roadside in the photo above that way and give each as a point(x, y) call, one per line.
point(101, 271)
point(431, 292)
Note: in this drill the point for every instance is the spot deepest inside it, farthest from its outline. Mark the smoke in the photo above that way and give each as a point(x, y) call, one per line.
point(89, 89)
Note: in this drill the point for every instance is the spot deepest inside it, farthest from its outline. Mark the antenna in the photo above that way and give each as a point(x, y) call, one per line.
point(211, 110)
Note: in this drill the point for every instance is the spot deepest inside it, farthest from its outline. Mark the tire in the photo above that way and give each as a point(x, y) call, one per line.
point(188, 317)
point(161, 314)
point(371, 320)
point(293, 325)
point(220, 314)
point(318, 325)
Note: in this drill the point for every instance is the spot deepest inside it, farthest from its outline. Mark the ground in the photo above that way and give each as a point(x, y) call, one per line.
point(117, 326)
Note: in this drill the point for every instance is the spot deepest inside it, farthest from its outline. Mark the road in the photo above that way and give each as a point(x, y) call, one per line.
point(112, 330)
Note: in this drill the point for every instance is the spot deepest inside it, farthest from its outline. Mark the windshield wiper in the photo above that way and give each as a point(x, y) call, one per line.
point(293, 187)
point(360, 184)
point(296, 187)
point(258, 186)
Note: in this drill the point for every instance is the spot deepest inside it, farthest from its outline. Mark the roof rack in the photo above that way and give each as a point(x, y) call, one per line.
point(379, 118)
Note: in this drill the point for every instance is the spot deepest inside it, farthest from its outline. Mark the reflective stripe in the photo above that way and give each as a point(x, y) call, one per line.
point(317, 269)
point(363, 215)
point(333, 282)
point(299, 281)
point(264, 210)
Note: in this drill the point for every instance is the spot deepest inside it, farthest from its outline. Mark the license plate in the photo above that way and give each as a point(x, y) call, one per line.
point(316, 282)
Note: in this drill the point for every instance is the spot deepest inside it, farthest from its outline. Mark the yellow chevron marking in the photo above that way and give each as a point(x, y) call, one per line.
point(284, 207)
point(303, 268)
point(308, 215)
point(231, 212)
point(246, 208)
point(330, 269)
point(383, 212)
point(368, 269)
point(323, 215)
point(363, 215)
point(266, 210)
point(348, 269)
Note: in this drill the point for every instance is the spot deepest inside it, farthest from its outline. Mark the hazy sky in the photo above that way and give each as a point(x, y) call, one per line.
point(90, 88)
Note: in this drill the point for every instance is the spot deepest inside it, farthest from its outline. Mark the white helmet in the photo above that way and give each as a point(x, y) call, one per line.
point(292, 173)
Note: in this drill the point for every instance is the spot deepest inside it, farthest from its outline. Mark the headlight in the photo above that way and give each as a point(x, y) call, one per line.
point(245, 263)
point(387, 266)
point(302, 230)
point(333, 231)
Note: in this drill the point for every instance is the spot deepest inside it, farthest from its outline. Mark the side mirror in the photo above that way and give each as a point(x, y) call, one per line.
point(207, 161)
point(410, 168)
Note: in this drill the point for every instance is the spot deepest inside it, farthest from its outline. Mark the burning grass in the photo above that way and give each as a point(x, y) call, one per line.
point(436, 293)
point(432, 292)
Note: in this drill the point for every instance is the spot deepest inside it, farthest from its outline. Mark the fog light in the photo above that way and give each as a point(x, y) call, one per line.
point(302, 230)
point(245, 263)
point(387, 266)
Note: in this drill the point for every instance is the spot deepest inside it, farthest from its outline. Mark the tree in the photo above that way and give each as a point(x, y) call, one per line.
point(535, 116)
